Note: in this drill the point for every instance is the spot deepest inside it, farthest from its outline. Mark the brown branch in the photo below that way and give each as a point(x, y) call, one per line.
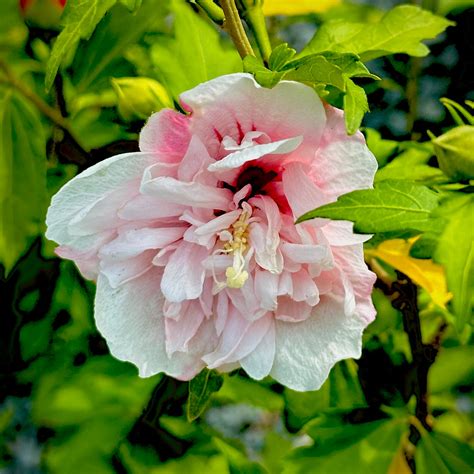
point(403, 295)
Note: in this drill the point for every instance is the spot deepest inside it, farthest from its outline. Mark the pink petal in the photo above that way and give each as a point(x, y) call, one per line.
point(166, 133)
point(184, 273)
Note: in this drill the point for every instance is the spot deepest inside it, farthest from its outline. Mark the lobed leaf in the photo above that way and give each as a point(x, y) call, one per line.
point(400, 30)
point(80, 18)
point(391, 206)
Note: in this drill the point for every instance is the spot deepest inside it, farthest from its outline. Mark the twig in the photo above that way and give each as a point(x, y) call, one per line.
point(251, 11)
point(234, 26)
point(49, 112)
point(55, 116)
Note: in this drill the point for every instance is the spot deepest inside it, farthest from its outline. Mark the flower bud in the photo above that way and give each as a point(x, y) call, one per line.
point(42, 13)
point(139, 97)
point(455, 152)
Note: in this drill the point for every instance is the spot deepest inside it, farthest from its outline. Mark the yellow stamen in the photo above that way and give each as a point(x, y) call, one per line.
point(236, 275)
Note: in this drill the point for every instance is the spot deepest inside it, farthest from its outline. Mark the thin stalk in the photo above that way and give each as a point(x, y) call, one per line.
point(49, 112)
point(234, 26)
point(253, 15)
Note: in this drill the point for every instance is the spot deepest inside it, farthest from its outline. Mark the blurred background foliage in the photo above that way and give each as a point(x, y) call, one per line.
point(66, 405)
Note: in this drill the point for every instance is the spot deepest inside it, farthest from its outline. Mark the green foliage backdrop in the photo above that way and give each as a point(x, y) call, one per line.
point(78, 91)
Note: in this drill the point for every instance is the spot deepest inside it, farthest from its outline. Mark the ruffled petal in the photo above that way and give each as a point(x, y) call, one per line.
point(307, 351)
point(235, 104)
point(131, 320)
point(259, 362)
point(239, 338)
point(166, 133)
point(89, 188)
point(348, 165)
point(184, 273)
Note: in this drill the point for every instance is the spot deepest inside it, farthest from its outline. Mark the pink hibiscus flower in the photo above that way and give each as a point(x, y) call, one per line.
point(193, 244)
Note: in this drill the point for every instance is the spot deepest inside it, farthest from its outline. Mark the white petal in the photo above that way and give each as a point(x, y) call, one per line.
point(259, 362)
point(188, 194)
point(348, 165)
point(304, 253)
point(302, 193)
point(266, 289)
point(131, 320)
point(149, 208)
point(89, 187)
point(119, 272)
point(306, 351)
point(239, 338)
point(180, 331)
point(340, 233)
point(239, 158)
point(184, 273)
point(132, 242)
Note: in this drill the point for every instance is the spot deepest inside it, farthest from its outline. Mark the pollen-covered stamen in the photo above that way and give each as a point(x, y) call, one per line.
point(236, 243)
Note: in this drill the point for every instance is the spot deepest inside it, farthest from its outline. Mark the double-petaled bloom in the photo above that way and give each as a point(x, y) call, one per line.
point(193, 241)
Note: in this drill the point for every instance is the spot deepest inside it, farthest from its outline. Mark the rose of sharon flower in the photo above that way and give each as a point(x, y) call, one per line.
point(193, 241)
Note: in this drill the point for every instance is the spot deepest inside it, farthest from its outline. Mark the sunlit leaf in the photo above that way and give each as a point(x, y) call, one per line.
point(365, 447)
point(79, 19)
point(391, 206)
point(400, 30)
point(194, 54)
point(455, 252)
point(424, 273)
point(101, 57)
point(412, 164)
point(242, 390)
point(22, 176)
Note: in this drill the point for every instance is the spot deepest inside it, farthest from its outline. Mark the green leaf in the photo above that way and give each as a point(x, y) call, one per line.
point(80, 18)
point(132, 5)
point(391, 206)
point(400, 30)
point(335, 69)
point(455, 252)
point(201, 388)
point(194, 55)
point(238, 461)
point(441, 454)
point(23, 196)
point(91, 409)
point(241, 390)
point(454, 366)
point(281, 55)
point(412, 165)
point(101, 58)
point(425, 246)
point(355, 106)
point(365, 447)
point(265, 77)
point(341, 390)
point(382, 149)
